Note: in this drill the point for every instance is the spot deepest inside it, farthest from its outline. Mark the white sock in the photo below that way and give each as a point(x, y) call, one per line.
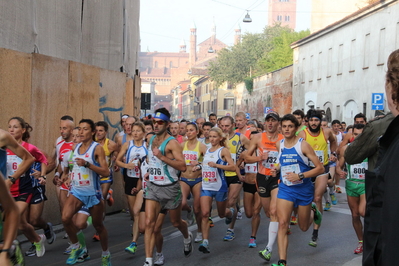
point(149, 260)
point(105, 253)
point(273, 229)
point(325, 195)
point(159, 254)
point(229, 229)
point(205, 241)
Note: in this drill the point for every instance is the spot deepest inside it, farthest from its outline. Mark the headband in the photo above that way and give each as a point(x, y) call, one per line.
point(124, 116)
point(160, 115)
point(315, 117)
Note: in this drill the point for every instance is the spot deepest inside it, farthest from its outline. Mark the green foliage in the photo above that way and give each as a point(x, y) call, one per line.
point(249, 84)
point(257, 54)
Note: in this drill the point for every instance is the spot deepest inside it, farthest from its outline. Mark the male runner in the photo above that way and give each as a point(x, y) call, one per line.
point(265, 146)
point(174, 130)
point(318, 139)
point(241, 124)
point(166, 160)
point(236, 143)
point(182, 128)
point(213, 119)
point(206, 128)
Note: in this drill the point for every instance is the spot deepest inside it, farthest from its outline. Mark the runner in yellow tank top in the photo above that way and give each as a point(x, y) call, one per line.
point(236, 143)
point(190, 180)
point(317, 137)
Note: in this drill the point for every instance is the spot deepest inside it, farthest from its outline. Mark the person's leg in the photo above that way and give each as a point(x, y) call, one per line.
point(130, 201)
point(97, 212)
point(24, 226)
point(159, 258)
point(319, 188)
point(234, 191)
point(104, 190)
point(71, 207)
point(206, 203)
point(305, 217)
point(354, 203)
point(248, 204)
point(196, 191)
point(255, 215)
point(178, 222)
point(136, 213)
point(284, 210)
point(185, 191)
point(152, 209)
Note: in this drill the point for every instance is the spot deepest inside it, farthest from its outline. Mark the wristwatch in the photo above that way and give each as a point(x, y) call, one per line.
point(301, 176)
point(12, 179)
point(87, 164)
point(44, 177)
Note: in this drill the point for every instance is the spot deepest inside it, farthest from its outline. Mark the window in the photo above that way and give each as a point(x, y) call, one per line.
point(156, 64)
point(365, 108)
point(287, 18)
point(340, 58)
point(311, 68)
point(206, 88)
point(366, 50)
point(170, 64)
point(329, 62)
point(228, 104)
point(381, 48)
point(319, 67)
point(352, 56)
point(279, 18)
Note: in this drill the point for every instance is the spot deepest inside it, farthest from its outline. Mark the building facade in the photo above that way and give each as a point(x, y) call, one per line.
point(282, 11)
point(339, 67)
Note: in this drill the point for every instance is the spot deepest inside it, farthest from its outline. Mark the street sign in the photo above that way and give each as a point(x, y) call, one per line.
point(377, 101)
point(266, 110)
point(247, 116)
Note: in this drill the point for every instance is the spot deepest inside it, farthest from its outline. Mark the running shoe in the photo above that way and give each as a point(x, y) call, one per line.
point(188, 247)
point(252, 243)
point(31, 251)
point(84, 256)
point(198, 238)
point(289, 231)
point(190, 216)
point(132, 248)
point(204, 247)
point(68, 250)
point(313, 242)
point(239, 214)
point(359, 249)
point(294, 220)
point(110, 199)
point(211, 224)
point(147, 264)
point(338, 190)
point(327, 207)
point(40, 249)
point(333, 199)
point(65, 236)
point(265, 254)
point(106, 260)
point(49, 233)
point(229, 220)
point(229, 235)
point(159, 259)
point(75, 254)
point(279, 263)
point(318, 216)
point(17, 258)
point(96, 237)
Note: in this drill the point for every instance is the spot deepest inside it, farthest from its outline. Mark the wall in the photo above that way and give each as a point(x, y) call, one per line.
point(271, 90)
point(41, 89)
point(343, 64)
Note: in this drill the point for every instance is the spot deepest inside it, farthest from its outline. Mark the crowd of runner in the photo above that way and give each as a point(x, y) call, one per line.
point(290, 166)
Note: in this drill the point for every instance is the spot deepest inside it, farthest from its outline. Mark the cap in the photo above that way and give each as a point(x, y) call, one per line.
point(273, 115)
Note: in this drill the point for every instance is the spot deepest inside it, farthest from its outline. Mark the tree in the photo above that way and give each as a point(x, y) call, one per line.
point(256, 55)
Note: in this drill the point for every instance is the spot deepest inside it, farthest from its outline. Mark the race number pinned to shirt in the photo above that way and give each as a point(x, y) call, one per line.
point(155, 170)
point(251, 168)
point(209, 173)
point(190, 156)
point(13, 162)
point(271, 161)
point(320, 156)
point(293, 168)
point(358, 171)
point(80, 176)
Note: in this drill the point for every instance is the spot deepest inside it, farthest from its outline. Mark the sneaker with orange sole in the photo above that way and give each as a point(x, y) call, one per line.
point(294, 221)
point(338, 190)
point(96, 237)
point(211, 224)
point(110, 199)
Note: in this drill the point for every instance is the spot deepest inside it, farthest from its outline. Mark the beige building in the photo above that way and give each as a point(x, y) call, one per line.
point(326, 12)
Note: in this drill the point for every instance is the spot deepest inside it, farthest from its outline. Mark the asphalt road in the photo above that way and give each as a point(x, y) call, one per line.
point(337, 240)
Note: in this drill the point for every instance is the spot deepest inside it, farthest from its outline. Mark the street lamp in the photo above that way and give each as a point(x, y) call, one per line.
point(247, 18)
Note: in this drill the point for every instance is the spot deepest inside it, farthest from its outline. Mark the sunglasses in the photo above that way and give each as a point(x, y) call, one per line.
point(159, 122)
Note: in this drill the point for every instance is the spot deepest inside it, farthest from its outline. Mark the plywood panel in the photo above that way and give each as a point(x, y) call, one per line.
point(15, 85)
point(112, 99)
point(83, 98)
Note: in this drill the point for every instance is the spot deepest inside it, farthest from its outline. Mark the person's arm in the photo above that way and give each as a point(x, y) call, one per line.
point(11, 220)
point(27, 159)
point(119, 160)
point(364, 146)
point(227, 157)
point(341, 163)
point(177, 152)
point(344, 141)
point(99, 155)
point(333, 141)
point(249, 157)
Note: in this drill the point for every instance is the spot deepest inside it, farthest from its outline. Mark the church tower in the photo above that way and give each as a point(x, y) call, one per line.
point(237, 35)
point(182, 46)
point(193, 45)
point(282, 11)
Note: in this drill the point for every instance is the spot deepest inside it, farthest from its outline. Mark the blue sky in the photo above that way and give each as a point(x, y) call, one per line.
point(164, 24)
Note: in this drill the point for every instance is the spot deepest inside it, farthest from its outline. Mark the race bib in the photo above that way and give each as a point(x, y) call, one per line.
point(320, 156)
point(155, 172)
point(190, 156)
point(80, 176)
point(271, 161)
point(135, 172)
point(209, 174)
point(13, 162)
point(293, 168)
point(358, 171)
point(234, 157)
point(251, 168)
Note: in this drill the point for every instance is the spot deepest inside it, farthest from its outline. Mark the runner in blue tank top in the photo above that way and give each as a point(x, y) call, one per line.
point(88, 164)
point(296, 188)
